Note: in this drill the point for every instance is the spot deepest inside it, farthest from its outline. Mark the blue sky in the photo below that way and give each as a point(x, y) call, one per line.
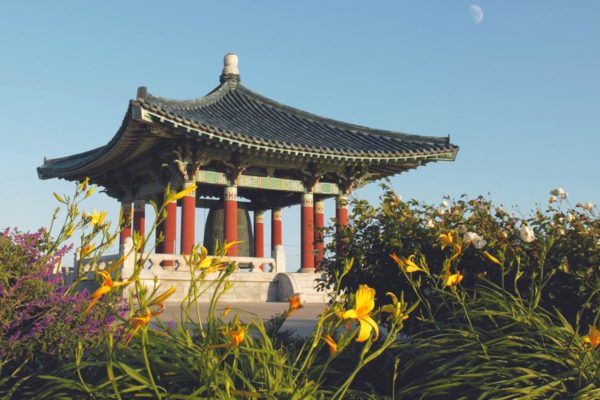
point(519, 92)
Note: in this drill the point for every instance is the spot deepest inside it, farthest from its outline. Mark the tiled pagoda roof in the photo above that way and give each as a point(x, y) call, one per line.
point(235, 117)
point(234, 112)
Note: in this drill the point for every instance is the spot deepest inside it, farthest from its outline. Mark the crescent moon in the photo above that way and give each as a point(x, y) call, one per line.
point(476, 13)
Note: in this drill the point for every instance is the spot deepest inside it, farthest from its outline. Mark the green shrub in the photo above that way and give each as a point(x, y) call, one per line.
point(563, 261)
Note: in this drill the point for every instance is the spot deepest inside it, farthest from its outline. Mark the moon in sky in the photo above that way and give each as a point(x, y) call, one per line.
point(476, 13)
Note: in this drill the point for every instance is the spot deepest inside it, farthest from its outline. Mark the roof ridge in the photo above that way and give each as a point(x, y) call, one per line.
point(210, 98)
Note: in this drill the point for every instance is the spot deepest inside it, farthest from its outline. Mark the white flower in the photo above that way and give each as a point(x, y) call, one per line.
point(589, 206)
point(561, 232)
point(560, 192)
point(429, 223)
point(444, 204)
point(570, 217)
point(527, 234)
point(472, 238)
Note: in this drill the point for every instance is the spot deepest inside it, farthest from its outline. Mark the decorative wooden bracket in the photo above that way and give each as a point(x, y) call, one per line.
point(188, 162)
point(234, 168)
point(352, 178)
point(312, 175)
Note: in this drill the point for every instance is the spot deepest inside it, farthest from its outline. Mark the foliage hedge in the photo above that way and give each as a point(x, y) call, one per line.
point(562, 263)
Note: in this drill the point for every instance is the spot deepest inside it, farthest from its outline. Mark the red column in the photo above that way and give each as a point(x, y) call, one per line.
point(259, 235)
point(341, 214)
point(139, 219)
point(230, 209)
point(125, 222)
point(341, 210)
point(188, 221)
point(319, 225)
point(276, 234)
point(169, 232)
point(307, 235)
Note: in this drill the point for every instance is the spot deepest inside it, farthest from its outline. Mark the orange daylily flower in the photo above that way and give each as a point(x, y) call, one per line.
point(446, 239)
point(107, 285)
point(593, 337)
point(137, 323)
point(454, 279)
point(295, 303)
point(237, 336)
point(457, 251)
point(331, 343)
point(365, 302)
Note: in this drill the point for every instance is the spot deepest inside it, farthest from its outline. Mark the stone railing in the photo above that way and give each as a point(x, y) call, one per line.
point(156, 262)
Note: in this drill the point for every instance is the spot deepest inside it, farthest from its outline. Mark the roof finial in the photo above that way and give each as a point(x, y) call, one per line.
point(230, 68)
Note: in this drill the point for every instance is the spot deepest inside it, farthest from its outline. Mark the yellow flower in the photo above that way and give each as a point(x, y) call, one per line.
point(454, 279)
point(59, 198)
point(159, 300)
point(492, 258)
point(237, 336)
point(174, 196)
point(365, 302)
point(107, 286)
point(593, 337)
point(87, 249)
point(226, 311)
point(331, 343)
point(457, 251)
point(96, 218)
point(446, 239)
point(137, 323)
point(395, 309)
point(69, 230)
point(90, 191)
point(408, 264)
point(83, 185)
point(295, 303)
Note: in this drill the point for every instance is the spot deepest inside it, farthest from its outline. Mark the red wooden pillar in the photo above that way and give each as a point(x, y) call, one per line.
point(125, 222)
point(307, 234)
point(188, 221)
point(230, 211)
point(139, 219)
point(259, 235)
point(341, 210)
point(319, 225)
point(276, 232)
point(169, 229)
point(341, 214)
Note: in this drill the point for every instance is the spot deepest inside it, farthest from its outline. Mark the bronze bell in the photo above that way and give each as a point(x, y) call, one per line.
point(214, 229)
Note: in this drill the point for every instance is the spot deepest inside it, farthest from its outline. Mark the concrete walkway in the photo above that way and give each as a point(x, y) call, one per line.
point(300, 322)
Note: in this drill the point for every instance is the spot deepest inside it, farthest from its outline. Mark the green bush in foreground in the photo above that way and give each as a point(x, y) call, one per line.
point(508, 308)
point(555, 252)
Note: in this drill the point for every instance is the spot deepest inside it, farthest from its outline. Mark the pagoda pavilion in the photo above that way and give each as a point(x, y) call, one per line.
point(237, 145)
